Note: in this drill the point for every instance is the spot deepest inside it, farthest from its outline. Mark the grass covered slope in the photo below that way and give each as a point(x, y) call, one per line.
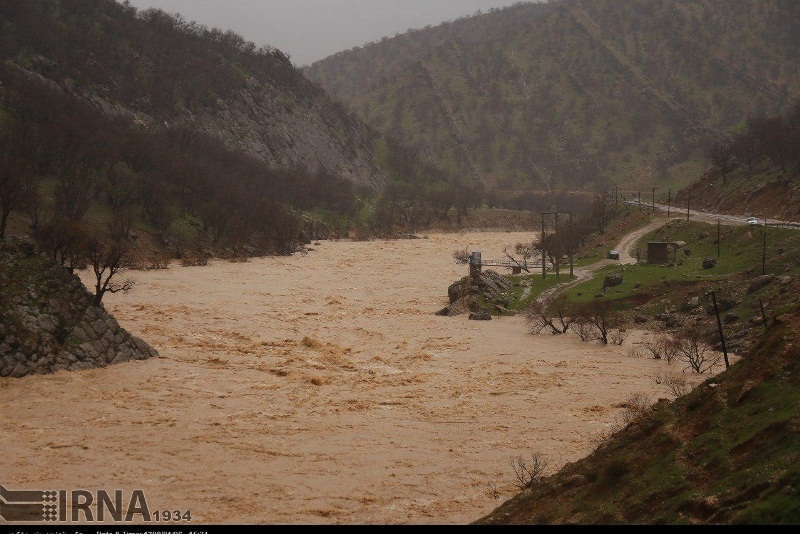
point(748, 271)
point(726, 453)
point(576, 93)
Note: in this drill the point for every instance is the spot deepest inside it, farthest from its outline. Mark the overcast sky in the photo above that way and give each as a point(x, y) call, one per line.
point(309, 30)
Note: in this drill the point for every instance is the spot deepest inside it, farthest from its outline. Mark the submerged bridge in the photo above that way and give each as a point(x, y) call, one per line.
point(476, 263)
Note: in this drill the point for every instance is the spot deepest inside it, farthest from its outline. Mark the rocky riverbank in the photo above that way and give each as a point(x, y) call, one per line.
point(49, 322)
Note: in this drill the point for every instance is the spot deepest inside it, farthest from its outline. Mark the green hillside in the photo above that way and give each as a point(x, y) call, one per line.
point(577, 93)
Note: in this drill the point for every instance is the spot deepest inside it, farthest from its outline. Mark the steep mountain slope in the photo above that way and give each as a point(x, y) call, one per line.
point(576, 93)
point(160, 70)
point(129, 124)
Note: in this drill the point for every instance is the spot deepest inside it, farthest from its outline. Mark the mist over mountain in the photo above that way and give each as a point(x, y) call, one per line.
point(577, 93)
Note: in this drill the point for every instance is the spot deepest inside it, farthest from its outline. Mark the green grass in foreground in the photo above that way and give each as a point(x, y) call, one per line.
point(528, 287)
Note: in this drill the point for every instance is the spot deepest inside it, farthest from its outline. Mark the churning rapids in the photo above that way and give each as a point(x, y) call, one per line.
point(319, 389)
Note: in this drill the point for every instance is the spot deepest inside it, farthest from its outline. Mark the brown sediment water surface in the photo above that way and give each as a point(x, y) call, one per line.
point(320, 389)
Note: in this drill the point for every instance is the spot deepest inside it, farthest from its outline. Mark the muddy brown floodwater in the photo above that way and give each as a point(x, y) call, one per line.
point(319, 389)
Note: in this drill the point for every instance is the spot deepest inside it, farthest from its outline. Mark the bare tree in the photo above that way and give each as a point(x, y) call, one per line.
point(584, 328)
point(601, 318)
point(553, 313)
point(635, 407)
point(64, 240)
point(284, 229)
point(493, 493)
point(18, 145)
point(33, 207)
point(441, 201)
point(121, 223)
point(695, 351)
point(523, 251)
point(465, 199)
point(107, 260)
point(75, 190)
point(538, 318)
point(16, 184)
point(617, 336)
point(723, 158)
point(676, 384)
point(461, 256)
point(597, 322)
point(527, 474)
point(383, 220)
point(661, 346)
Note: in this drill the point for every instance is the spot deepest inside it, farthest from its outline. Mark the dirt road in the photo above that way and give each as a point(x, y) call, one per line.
point(627, 255)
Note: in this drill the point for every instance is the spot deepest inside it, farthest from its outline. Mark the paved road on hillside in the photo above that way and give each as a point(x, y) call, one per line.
point(705, 216)
point(625, 245)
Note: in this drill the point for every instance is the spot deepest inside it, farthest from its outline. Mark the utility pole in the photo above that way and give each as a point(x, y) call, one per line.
point(571, 247)
point(558, 249)
point(669, 202)
point(721, 333)
point(640, 200)
point(719, 238)
point(541, 240)
point(764, 250)
point(654, 199)
point(688, 199)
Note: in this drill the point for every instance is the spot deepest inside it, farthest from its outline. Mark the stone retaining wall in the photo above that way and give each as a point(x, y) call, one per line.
point(49, 322)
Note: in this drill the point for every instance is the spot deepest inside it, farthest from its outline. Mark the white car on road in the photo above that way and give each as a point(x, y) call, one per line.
point(752, 221)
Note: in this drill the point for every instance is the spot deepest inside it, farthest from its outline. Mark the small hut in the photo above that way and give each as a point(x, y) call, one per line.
point(657, 252)
point(475, 264)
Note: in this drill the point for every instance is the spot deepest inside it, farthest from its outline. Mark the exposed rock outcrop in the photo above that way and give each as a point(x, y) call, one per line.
point(760, 282)
point(49, 322)
point(468, 294)
point(709, 263)
point(275, 125)
point(285, 132)
point(481, 315)
point(612, 280)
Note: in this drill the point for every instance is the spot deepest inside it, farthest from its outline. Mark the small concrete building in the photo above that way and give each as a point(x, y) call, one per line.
point(475, 264)
point(657, 252)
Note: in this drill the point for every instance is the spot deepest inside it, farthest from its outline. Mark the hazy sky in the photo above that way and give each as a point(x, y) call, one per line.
point(309, 30)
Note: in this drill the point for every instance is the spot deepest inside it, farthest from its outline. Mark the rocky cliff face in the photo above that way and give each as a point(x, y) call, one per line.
point(286, 132)
point(48, 321)
point(480, 296)
point(274, 126)
point(158, 70)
